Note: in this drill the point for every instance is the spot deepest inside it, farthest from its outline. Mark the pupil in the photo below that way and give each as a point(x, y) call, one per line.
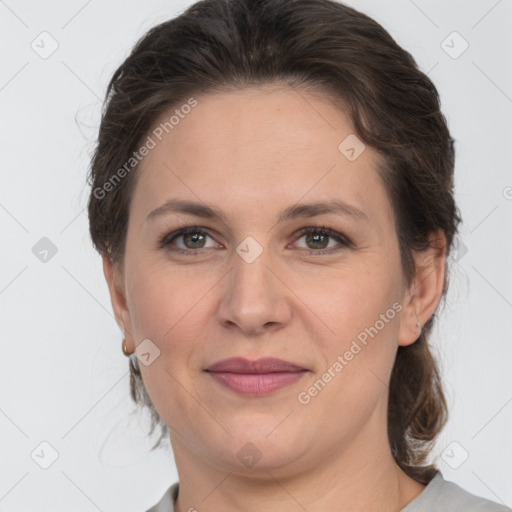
point(195, 238)
point(315, 239)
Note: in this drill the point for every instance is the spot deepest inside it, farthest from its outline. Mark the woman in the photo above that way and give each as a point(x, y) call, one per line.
point(272, 196)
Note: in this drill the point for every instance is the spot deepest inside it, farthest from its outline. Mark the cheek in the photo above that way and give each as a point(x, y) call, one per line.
point(164, 305)
point(354, 379)
point(354, 300)
point(362, 312)
point(172, 309)
point(170, 314)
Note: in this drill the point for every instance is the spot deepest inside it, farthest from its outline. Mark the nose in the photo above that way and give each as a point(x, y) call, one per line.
point(255, 297)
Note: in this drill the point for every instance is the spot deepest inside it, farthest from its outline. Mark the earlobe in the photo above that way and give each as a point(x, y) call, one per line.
point(425, 293)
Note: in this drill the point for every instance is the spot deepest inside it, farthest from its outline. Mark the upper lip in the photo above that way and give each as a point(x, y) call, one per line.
point(264, 365)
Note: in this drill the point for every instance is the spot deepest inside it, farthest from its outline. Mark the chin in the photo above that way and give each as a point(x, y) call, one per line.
point(259, 447)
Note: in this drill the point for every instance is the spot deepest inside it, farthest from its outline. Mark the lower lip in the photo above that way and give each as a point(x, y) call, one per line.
point(256, 384)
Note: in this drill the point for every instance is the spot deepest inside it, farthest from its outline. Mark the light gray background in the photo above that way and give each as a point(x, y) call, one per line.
point(64, 379)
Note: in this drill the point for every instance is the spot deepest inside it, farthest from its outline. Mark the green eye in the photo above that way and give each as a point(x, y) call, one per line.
point(318, 238)
point(193, 238)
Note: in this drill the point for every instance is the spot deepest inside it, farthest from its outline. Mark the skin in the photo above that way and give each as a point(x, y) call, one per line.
point(252, 153)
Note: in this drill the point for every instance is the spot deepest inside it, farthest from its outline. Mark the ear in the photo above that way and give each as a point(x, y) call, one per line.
point(115, 281)
point(425, 292)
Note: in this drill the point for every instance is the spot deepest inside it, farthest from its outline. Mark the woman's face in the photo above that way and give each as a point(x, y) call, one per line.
point(249, 283)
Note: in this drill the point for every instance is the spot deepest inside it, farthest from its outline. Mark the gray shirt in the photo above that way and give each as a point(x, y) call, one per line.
point(439, 495)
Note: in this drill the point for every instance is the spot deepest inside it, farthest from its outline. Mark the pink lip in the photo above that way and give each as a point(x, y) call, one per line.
point(255, 378)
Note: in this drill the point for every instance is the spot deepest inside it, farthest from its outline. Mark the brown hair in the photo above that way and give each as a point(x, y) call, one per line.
point(223, 45)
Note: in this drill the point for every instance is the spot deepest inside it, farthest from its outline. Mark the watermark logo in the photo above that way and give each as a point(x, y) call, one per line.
point(454, 45)
point(459, 249)
point(249, 455)
point(45, 45)
point(249, 249)
point(44, 455)
point(351, 147)
point(455, 455)
point(146, 352)
point(44, 250)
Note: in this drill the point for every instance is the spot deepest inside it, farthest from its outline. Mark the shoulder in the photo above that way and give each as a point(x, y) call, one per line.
point(166, 503)
point(439, 495)
point(442, 495)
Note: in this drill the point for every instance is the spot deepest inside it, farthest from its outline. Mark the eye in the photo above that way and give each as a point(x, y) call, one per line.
point(318, 239)
point(193, 238)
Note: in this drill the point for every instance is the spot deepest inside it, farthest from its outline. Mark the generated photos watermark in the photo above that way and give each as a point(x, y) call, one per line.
point(151, 142)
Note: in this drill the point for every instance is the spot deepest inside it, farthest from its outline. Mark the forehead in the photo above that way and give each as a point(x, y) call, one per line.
point(260, 147)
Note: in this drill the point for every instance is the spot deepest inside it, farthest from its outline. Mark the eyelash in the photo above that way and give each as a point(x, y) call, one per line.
point(166, 240)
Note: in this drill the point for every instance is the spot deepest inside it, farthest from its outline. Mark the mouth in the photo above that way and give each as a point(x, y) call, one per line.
point(255, 378)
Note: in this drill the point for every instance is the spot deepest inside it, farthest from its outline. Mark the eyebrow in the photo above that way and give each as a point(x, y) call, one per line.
point(292, 212)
